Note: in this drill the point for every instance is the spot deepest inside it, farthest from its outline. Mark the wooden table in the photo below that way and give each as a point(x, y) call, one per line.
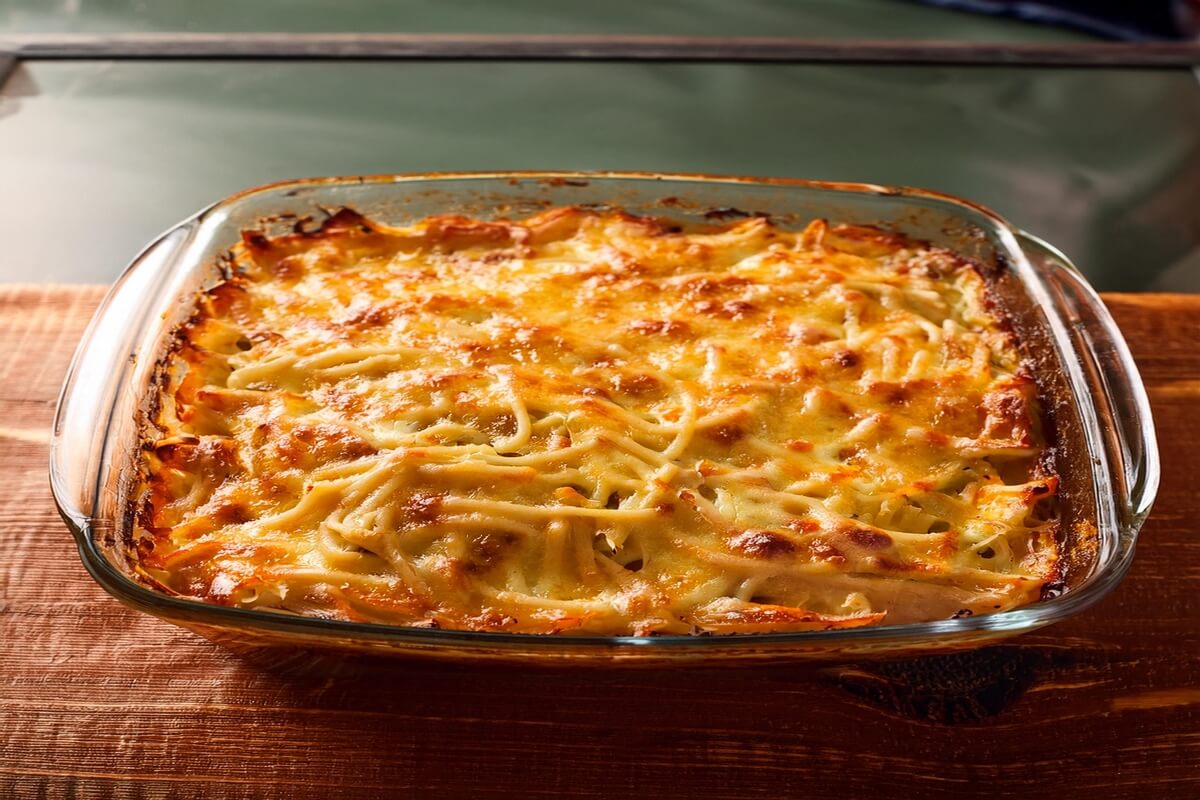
point(99, 701)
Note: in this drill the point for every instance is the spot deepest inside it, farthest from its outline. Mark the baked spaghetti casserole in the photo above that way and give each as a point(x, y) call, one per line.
point(586, 421)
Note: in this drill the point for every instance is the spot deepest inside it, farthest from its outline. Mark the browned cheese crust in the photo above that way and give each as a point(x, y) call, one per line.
point(586, 421)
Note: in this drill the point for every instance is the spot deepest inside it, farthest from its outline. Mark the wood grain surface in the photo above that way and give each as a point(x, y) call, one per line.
point(97, 701)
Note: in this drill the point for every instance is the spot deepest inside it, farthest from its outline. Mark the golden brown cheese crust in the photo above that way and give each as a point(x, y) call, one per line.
point(593, 422)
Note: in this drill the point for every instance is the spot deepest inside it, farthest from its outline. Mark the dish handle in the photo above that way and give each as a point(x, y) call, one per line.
point(1119, 397)
point(99, 380)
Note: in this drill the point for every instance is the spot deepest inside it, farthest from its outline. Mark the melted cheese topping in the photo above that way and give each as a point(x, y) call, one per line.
point(587, 421)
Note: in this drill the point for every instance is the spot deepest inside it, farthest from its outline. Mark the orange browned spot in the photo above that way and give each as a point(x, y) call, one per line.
point(1007, 416)
point(736, 309)
point(570, 496)
point(217, 451)
point(195, 528)
point(665, 509)
point(762, 543)
point(948, 545)
point(502, 425)
point(453, 232)
point(607, 361)
point(340, 399)
point(799, 333)
point(726, 212)
point(485, 550)
point(262, 337)
point(307, 445)
point(799, 445)
point(866, 240)
point(650, 226)
point(896, 393)
point(865, 537)
point(439, 303)
point(846, 358)
point(695, 288)
point(424, 507)
point(345, 220)
point(601, 277)
point(654, 327)
point(813, 233)
point(937, 438)
point(480, 353)
point(764, 617)
point(231, 299)
point(224, 402)
point(626, 266)
point(372, 315)
point(288, 268)
point(230, 513)
point(824, 551)
point(599, 409)
point(929, 271)
point(637, 384)
point(848, 453)
point(954, 414)
point(554, 225)
point(730, 309)
point(1040, 489)
point(726, 434)
point(401, 599)
point(188, 555)
point(801, 374)
point(904, 566)
point(213, 457)
point(500, 256)
point(444, 380)
point(707, 468)
point(802, 525)
point(491, 620)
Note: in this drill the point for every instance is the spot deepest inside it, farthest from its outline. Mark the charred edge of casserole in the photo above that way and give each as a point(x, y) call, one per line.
point(1066, 456)
point(1050, 457)
point(140, 509)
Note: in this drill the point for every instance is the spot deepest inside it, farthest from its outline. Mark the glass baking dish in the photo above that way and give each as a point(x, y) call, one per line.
point(1106, 455)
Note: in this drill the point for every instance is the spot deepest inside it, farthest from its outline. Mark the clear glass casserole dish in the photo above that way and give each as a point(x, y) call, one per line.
point(1106, 451)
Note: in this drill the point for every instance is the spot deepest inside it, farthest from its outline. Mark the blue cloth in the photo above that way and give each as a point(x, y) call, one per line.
point(1145, 20)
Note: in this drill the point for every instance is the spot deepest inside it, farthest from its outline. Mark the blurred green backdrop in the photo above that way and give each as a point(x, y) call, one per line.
point(98, 157)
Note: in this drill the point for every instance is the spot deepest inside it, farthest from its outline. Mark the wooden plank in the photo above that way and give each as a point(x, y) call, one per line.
point(595, 47)
point(99, 701)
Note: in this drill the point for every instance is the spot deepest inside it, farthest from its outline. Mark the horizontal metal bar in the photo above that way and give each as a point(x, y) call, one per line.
point(609, 48)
